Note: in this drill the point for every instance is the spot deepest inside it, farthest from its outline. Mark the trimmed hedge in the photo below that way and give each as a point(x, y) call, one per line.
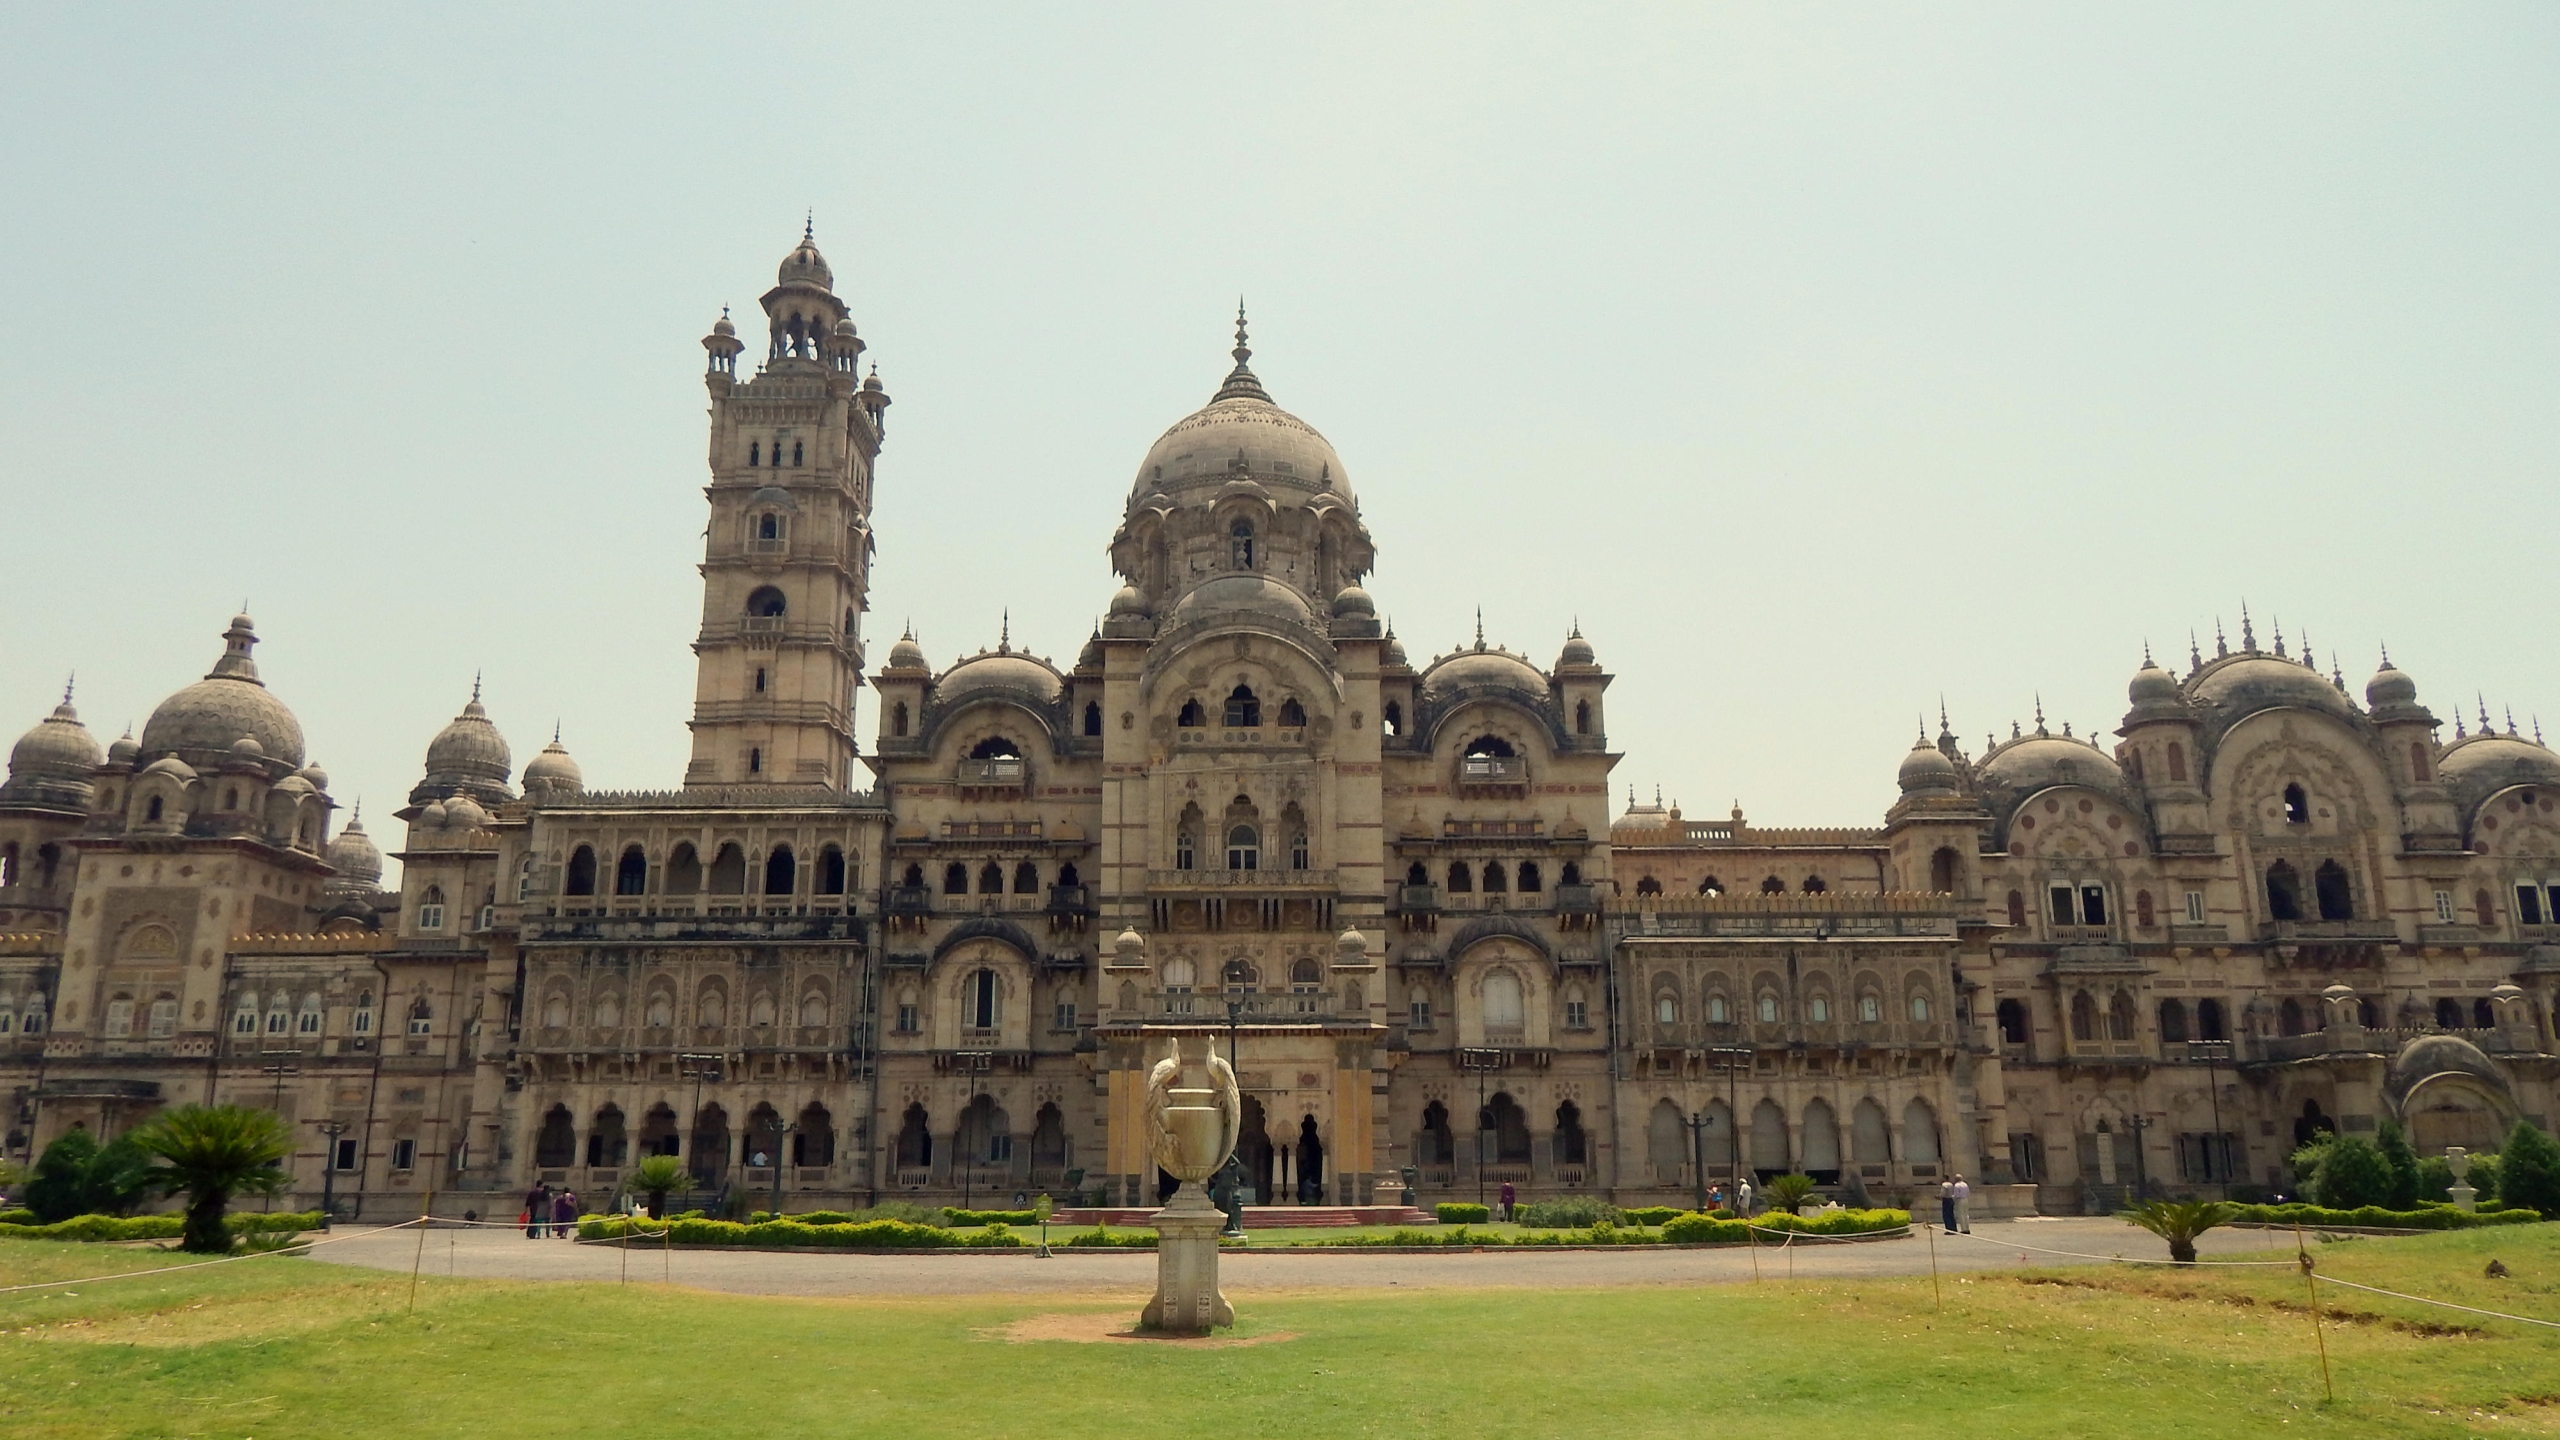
point(96, 1228)
point(989, 1217)
point(1696, 1229)
point(1653, 1214)
point(1573, 1213)
point(2374, 1217)
point(1098, 1238)
point(1452, 1212)
point(797, 1234)
point(20, 1216)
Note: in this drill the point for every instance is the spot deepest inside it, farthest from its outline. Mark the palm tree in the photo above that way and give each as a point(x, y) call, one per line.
point(1786, 1192)
point(2179, 1222)
point(210, 1153)
point(654, 1177)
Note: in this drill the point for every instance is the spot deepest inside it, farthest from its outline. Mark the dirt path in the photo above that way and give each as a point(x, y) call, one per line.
point(507, 1254)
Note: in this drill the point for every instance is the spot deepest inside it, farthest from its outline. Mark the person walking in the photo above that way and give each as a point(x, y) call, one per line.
point(1715, 1196)
point(1508, 1196)
point(1963, 1206)
point(1947, 1206)
point(1742, 1197)
point(537, 1211)
point(564, 1213)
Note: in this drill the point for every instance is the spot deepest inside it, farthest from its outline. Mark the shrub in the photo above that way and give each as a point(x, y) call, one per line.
point(1786, 1192)
point(1652, 1214)
point(97, 1228)
point(1695, 1229)
point(1100, 1239)
point(2529, 1170)
point(1453, 1212)
point(2400, 1163)
point(2180, 1221)
point(2352, 1174)
point(2374, 1217)
point(75, 1177)
point(996, 1236)
point(989, 1217)
point(1572, 1214)
point(19, 1217)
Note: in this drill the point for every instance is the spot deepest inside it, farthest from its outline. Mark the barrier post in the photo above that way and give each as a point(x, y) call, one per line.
point(2303, 1255)
point(426, 1207)
point(1935, 1298)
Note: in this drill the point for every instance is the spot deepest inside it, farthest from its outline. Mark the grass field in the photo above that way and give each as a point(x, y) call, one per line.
point(284, 1348)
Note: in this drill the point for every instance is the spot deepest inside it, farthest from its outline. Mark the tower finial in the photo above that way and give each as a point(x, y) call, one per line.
point(1479, 627)
point(475, 687)
point(1242, 352)
point(2147, 662)
point(2337, 672)
point(2040, 712)
point(2221, 647)
point(2248, 632)
point(2386, 654)
point(809, 227)
point(2511, 719)
point(2537, 730)
point(68, 681)
point(1943, 727)
point(2195, 656)
point(2482, 701)
point(555, 730)
point(2279, 624)
point(1004, 636)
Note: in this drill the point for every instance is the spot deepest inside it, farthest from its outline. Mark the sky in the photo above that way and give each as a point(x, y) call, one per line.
point(1822, 361)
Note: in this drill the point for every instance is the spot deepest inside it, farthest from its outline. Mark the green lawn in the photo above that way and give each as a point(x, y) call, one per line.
point(285, 1348)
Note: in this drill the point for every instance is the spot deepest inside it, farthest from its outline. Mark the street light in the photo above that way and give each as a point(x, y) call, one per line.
point(330, 1130)
point(280, 1063)
point(696, 1068)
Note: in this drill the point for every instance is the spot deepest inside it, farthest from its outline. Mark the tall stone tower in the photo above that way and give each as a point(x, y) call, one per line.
point(786, 561)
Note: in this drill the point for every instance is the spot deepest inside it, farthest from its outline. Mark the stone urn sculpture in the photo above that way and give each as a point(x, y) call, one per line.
point(1194, 1114)
point(2458, 1160)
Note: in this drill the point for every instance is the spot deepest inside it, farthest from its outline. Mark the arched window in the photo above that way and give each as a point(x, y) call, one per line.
point(2084, 1016)
point(152, 812)
point(1393, 718)
point(1243, 709)
point(898, 719)
point(1461, 879)
point(955, 879)
point(1813, 885)
point(729, 870)
point(2210, 1024)
point(1666, 1008)
point(2011, 1016)
point(1192, 715)
point(1570, 875)
point(2289, 1017)
point(2420, 769)
point(2142, 912)
point(766, 603)
point(1767, 1007)
point(684, 870)
point(831, 875)
point(913, 876)
point(2284, 892)
point(768, 527)
point(1067, 874)
point(1773, 886)
point(990, 879)
point(978, 1005)
point(1581, 717)
point(1647, 885)
point(1240, 545)
point(2448, 1014)
point(1490, 747)
point(995, 747)
point(631, 875)
point(1494, 881)
point(2173, 1021)
point(1298, 854)
point(1920, 1006)
point(1414, 874)
point(1718, 1013)
point(2297, 806)
point(1244, 848)
point(1186, 849)
point(2329, 886)
point(1530, 881)
point(1026, 878)
point(2017, 908)
point(755, 452)
point(1818, 1009)
point(915, 1140)
point(1942, 870)
point(2120, 1018)
point(2177, 762)
point(781, 871)
point(759, 679)
point(795, 445)
point(1870, 1009)
point(431, 901)
point(1435, 1145)
point(422, 1017)
point(1239, 977)
point(755, 761)
point(2483, 1017)
point(1092, 718)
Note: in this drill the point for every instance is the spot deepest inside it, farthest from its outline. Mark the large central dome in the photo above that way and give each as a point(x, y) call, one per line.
point(1239, 434)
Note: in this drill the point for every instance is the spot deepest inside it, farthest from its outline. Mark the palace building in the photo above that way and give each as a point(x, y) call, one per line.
point(1394, 889)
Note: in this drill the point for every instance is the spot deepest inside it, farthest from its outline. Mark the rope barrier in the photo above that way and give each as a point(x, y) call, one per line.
point(2447, 1304)
point(1900, 1232)
point(2118, 1259)
point(203, 1264)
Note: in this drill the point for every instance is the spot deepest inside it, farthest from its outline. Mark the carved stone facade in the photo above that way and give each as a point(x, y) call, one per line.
point(1392, 891)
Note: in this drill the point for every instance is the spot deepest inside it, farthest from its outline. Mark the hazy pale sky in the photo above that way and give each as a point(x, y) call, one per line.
point(1822, 360)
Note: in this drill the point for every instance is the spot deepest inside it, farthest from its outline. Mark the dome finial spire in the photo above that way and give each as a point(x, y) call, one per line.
point(1004, 633)
point(68, 681)
point(2483, 702)
point(2221, 647)
point(2040, 713)
point(2195, 656)
point(1479, 627)
point(809, 226)
point(475, 687)
point(2248, 632)
point(1242, 351)
point(1241, 384)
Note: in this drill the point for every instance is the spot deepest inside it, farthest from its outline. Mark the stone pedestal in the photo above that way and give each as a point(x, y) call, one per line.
point(1187, 1300)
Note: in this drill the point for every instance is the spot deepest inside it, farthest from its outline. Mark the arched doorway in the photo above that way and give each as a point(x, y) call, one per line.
point(1253, 1151)
point(1310, 1163)
point(710, 1146)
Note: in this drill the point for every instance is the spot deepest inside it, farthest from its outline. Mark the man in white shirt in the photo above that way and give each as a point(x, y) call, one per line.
point(1964, 1206)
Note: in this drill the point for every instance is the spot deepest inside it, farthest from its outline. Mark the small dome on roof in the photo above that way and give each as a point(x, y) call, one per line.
point(248, 748)
point(1393, 654)
point(59, 745)
point(1091, 654)
point(1240, 432)
point(1252, 593)
point(431, 816)
point(468, 753)
point(462, 813)
point(2390, 686)
point(1352, 600)
point(2040, 760)
point(1484, 669)
point(2152, 685)
point(804, 264)
point(317, 777)
point(293, 785)
point(1577, 651)
point(229, 702)
point(775, 496)
point(907, 654)
point(554, 768)
point(355, 857)
point(2486, 763)
point(1016, 673)
point(1926, 769)
point(1637, 818)
point(1128, 601)
point(2232, 690)
point(125, 750)
point(722, 326)
point(173, 767)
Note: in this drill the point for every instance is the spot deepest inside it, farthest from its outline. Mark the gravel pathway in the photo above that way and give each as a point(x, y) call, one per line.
point(507, 1254)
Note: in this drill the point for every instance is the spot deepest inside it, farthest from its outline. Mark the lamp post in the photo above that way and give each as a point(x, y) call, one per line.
point(280, 1063)
point(696, 1068)
point(1235, 1015)
point(330, 1130)
point(1698, 1124)
point(1732, 1060)
point(781, 1146)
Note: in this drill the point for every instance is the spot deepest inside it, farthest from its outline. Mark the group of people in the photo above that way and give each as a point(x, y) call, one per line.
point(1955, 1205)
point(548, 1211)
point(1744, 1199)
